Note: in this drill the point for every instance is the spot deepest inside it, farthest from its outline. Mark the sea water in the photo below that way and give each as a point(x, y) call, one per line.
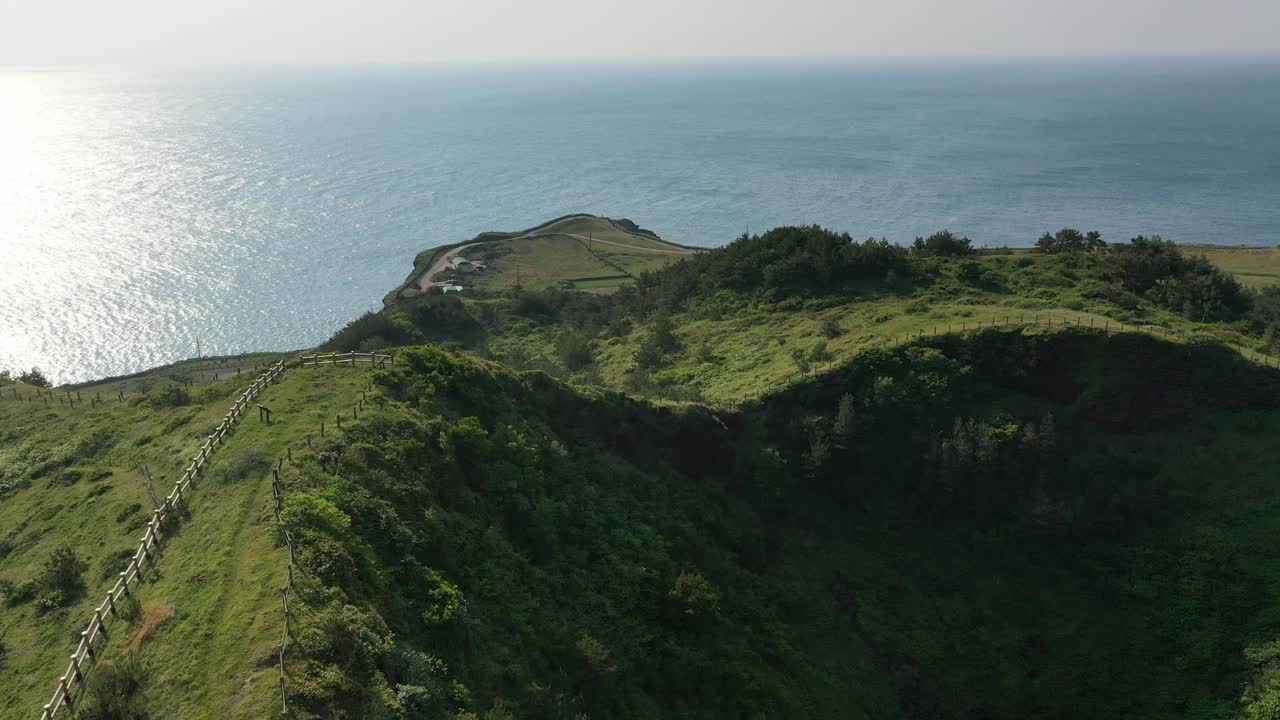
point(261, 208)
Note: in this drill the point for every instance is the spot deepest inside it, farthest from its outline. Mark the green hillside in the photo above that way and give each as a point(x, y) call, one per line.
point(796, 476)
point(70, 478)
point(1010, 525)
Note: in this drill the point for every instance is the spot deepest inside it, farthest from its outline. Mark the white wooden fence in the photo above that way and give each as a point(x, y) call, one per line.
point(72, 682)
point(350, 358)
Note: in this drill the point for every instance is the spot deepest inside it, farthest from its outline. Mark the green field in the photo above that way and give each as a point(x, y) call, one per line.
point(1256, 267)
point(565, 250)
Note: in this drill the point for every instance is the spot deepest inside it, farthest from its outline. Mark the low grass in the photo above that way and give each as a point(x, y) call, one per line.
point(547, 260)
point(734, 350)
point(220, 569)
point(1255, 267)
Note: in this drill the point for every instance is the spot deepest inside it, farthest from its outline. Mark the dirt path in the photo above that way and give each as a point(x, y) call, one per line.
point(623, 245)
point(424, 282)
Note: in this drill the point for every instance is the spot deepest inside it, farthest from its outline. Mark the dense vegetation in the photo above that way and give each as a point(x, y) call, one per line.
point(1019, 525)
point(1012, 523)
point(695, 330)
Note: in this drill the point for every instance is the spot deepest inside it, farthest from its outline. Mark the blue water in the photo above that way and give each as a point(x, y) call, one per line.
point(260, 209)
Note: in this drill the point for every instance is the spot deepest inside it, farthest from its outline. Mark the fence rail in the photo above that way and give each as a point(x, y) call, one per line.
point(73, 680)
point(350, 358)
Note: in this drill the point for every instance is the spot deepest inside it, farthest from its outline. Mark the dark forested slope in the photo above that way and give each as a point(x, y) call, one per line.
point(1013, 525)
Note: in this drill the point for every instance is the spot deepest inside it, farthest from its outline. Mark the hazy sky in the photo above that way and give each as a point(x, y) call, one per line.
point(39, 32)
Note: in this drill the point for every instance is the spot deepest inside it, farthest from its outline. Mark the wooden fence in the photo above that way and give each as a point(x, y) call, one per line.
point(72, 682)
point(350, 359)
point(71, 396)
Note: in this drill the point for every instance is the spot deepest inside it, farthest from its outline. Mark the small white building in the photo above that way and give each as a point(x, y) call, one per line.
point(464, 265)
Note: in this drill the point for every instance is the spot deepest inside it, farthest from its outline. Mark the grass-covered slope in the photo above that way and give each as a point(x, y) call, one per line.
point(1016, 524)
point(725, 325)
point(209, 616)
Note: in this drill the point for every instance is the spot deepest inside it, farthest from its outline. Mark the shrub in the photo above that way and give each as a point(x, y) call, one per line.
point(127, 512)
point(113, 690)
point(34, 377)
point(693, 595)
point(15, 595)
point(651, 354)
point(978, 275)
point(170, 395)
point(664, 333)
point(943, 244)
point(831, 328)
point(68, 477)
point(365, 327)
point(596, 655)
point(240, 465)
point(535, 305)
point(444, 316)
point(574, 350)
point(61, 581)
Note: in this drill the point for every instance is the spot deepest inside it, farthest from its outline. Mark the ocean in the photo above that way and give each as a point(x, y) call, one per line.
point(262, 208)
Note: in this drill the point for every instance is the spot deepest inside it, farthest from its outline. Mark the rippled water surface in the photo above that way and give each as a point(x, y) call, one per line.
point(261, 209)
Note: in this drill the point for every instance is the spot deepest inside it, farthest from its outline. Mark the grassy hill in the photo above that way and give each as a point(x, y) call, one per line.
point(765, 309)
point(70, 478)
point(583, 251)
point(730, 488)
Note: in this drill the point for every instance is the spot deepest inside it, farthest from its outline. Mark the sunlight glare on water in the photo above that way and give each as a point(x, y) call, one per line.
point(261, 209)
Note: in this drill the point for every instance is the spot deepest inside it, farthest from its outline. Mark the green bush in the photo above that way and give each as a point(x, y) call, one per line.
point(113, 691)
point(15, 595)
point(239, 465)
point(170, 395)
point(574, 349)
point(371, 326)
point(61, 580)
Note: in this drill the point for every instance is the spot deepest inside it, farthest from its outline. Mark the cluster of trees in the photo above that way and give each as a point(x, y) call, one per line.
point(32, 377)
point(1070, 240)
point(791, 260)
point(1158, 270)
point(943, 244)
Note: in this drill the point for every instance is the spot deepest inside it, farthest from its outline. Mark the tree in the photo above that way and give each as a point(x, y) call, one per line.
point(1070, 240)
point(574, 350)
point(34, 377)
point(943, 244)
point(831, 328)
point(846, 420)
point(663, 332)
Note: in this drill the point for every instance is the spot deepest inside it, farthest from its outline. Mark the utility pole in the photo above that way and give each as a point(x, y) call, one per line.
point(198, 355)
point(517, 275)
